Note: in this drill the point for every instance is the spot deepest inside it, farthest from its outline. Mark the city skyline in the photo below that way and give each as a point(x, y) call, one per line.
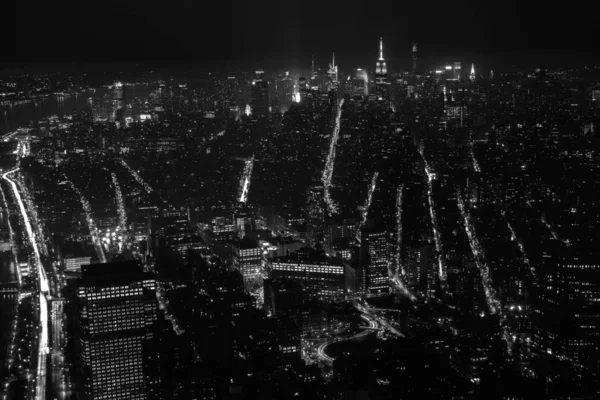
point(323, 201)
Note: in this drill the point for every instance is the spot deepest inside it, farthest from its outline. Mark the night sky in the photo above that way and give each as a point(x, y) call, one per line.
point(283, 32)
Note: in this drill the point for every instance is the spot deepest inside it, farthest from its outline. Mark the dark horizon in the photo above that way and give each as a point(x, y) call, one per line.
point(219, 35)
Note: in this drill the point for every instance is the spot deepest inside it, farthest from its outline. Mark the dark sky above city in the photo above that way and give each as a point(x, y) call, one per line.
point(275, 30)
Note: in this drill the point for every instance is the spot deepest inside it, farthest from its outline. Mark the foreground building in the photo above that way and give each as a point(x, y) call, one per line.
point(116, 319)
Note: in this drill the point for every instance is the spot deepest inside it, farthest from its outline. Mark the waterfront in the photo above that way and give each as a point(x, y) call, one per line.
point(20, 114)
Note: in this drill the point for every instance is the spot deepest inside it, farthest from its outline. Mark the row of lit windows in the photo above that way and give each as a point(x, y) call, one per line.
point(328, 269)
point(581, 266)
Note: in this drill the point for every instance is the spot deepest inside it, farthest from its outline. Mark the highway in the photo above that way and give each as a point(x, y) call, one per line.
point(58, 359)
point(371, 313)
point(40, 392)
point(321, 349)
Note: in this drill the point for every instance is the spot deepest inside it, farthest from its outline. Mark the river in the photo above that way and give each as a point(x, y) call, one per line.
point(19, 115)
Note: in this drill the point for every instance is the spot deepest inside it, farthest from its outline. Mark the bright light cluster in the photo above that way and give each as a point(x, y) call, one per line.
point(372, 187)
point(136, 176)
point(520, 245)
point(330, 162)
point(245, 180)
point(90, 221)
point(36, 221)
point(436, 235)
point(490, 294)
point(400, 274)
point(399, 267)
point(475, 163)
point(120, 205)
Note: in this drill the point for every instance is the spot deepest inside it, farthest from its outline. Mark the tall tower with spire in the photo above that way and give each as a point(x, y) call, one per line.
point(381, 81)
point(472, 74)
point(332, 73)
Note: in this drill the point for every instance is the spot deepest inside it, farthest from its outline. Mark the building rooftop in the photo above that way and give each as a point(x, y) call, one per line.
point(308, 254)
point(107, 274)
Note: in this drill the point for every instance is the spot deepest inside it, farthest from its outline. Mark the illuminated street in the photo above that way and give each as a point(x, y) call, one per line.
point(42, 345)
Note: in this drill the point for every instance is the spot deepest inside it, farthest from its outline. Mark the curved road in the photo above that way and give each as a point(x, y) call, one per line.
point(321, 349)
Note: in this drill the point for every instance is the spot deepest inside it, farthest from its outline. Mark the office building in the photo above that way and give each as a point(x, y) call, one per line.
point(259, 93)
point(565, 314)
point(116, 320)
point(375, 255)
point(248, 260)
point(320, 275)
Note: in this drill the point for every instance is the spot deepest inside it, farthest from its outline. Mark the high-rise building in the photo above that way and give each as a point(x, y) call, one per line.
point(332, 73)
point(118, 115)
point(375, 255)
point(116, 320)
point(259, 94)
point(315, 215)
point(245, 221)
point(382, 88)
point(414, 58)
point(248, 260)
point(457, 70)
point(286, 91)
point(472, 74)
point(283, 300)
point(565, 314)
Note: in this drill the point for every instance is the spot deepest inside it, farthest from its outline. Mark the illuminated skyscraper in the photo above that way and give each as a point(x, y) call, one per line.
point(361, 82)
point(259, 96)
point(118, 115)
point(472, 74)
point(414, 58)
point(332, 73)
point(381, 82)
point(374, 259)
point(248, 260)
point(457, 70)
point(116, 318)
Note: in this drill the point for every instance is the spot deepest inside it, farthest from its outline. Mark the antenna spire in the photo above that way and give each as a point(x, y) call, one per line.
point(381, 48)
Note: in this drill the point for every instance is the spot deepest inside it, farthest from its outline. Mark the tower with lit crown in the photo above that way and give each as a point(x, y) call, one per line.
point(381, 82)
point(472, 74)
point(332, 73)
